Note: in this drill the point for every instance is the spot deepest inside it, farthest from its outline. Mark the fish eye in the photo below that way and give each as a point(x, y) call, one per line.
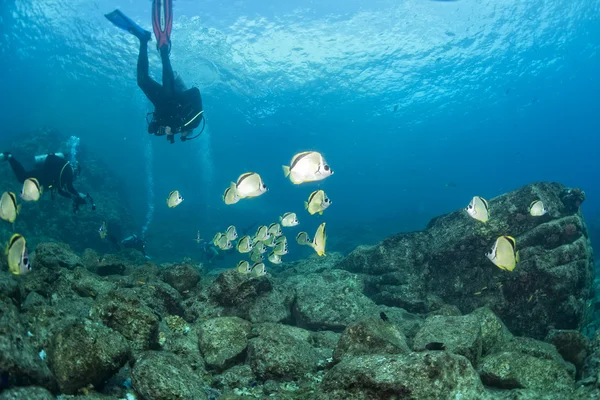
point(326, 167)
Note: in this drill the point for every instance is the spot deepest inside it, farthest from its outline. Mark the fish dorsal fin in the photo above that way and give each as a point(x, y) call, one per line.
point(312, 195)
point(485, 203)
point(512, 241)
point(13, 198)
point(532, 203)
point(13, 239)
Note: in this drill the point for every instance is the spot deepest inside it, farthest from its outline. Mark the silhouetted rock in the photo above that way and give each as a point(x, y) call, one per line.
point(86, 353)
point(548, 288)
point(572, 346)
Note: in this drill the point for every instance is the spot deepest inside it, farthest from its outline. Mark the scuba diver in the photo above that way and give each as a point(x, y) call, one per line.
point(54, 172)
point(176, 109)
point(135, 242)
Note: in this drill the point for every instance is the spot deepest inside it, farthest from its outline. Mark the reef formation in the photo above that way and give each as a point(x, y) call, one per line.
point(423, 315)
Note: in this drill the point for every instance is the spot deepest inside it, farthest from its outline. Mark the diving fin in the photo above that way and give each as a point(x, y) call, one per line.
point(122, 21)
point(162, 22)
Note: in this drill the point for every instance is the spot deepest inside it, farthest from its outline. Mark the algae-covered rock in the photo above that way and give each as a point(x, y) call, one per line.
point(86, 353)
point(273, 306)
point(27, 393)
point(20, 363)
point(223, 340)
point(281, 352)
point(132, 319)
point(232, 289)
point(548, 288)
point(330, 300)
point(493, 331)
point(370, 336)
point(407, 322)
point(87, 284)
point(238, 376)
point(459, 335)
point(572, 345)
point(55, 255)
point(163, 376)
point(428, 375)
point(513, 370)
point(182, 277)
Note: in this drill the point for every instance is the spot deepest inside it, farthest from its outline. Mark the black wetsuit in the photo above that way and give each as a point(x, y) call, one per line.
point(181, 111)
point(56, 174)
point(135, 242)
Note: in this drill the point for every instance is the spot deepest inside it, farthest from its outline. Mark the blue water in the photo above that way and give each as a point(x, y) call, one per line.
point(417, 105)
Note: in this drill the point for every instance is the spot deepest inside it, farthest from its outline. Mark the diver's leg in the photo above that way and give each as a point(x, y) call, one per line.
point(149, 86)
point(168, 77)
point(18, 169)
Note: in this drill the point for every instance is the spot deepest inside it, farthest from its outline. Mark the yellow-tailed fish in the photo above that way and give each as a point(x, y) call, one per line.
point(230, 196)
point(270, 242)
point(31, 190)
point(18, 256)
point(302, 238)
point(280, 248)
point(262, 234)
point(478, 209)
point(281, 239)
point(258, 270)
point(244, 245)
point(274, 258)
point(243, 267)
point(256, 255)
point(537, 209)
point(261, 247)
point(504, 254)
point(8, 207)
point(307, 166)
point(174, 199)
point(320, 240)
point(103, 230)
point(216, 239)
point(231, 233)
point(317, 202)
point(249, 184)
point(289, 219)
point(275, 229)
point(224, 244)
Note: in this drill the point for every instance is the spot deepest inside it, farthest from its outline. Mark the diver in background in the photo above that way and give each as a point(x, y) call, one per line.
point(54, 172)
point(135, 242)
point(176, 110)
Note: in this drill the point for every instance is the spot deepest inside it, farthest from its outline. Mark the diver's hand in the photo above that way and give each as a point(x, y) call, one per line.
point(168, 130)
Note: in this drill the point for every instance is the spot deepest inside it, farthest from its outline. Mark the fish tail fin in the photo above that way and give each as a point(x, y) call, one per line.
point(286, 170)
point(306, 205)
point(320, 212)
point(18, 208)
point(517, 257)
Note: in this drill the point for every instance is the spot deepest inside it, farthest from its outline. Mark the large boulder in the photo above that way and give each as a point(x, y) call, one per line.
point(281, 352)
point(86, 353)
point(428, 375)
point(55, 255)
point(223, 340)
point(330, 300)
point(370, 336)
point(548, 288)
point(572, 345)
point(459, 335)
point(159, 375)
point(183, 277)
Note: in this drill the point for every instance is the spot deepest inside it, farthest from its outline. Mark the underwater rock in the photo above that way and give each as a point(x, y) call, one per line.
point(182, 277)
point(20, 363)
point(9, 286)
point(273, 306)
point(27, 393)
point(238, 376)
point(53, 255)
point(87, 284)
point(404, 376)
point(281, 352)
point(223, 341)
point(33, 299)
point(131, 318)
point(548, 288)
point(232, 289)
point(184, 344)
point(86, 353)
point(513, 370)
point(370, 336)
point(493, 331)
point(572, 345)
point(159, 375)
point(330, 300)
point(459, 335)
point(110, 264)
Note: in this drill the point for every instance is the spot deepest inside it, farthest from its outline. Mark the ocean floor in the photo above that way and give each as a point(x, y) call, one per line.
point(422, 315)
